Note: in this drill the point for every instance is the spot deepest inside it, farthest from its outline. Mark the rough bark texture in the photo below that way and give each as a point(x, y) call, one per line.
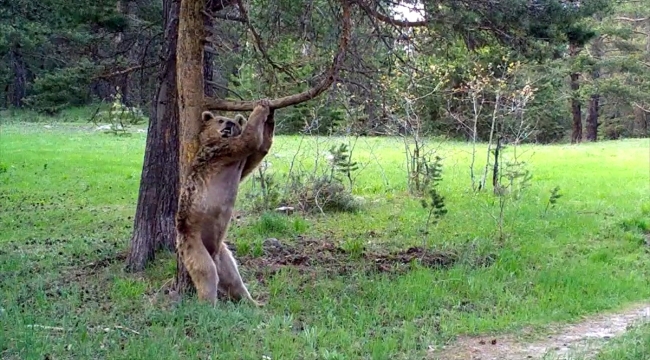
point(495, 168)
point(641, 119)
point(218, 5)
point(592, 118)
point(19, 84)
point(594, 102)
point(208, 69)
point(208, 59)
point(154, 226)
point(576, 111)
point(189, 69)
point(641, 113)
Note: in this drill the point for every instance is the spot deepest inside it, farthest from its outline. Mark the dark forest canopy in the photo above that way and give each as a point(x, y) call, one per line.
point(59, 53)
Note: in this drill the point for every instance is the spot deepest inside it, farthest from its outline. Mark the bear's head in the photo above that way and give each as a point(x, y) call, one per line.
point(226, 126)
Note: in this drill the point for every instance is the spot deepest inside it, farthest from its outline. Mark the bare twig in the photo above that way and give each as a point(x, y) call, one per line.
point(372, 18)
point(641, 107)
point(623, 18)
point(213, 83)
point(102, 328)
point(230, 17)
point(387, 19)
point(46, 327)
point(489, 148)
point(259, 43)
point(218, 5)
point(477, 107)
point(126, 71)
point(293, 162)
point(125, 329)
point(229, 105)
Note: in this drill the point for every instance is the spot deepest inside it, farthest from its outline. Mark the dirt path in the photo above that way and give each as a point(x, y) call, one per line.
point(584, 338)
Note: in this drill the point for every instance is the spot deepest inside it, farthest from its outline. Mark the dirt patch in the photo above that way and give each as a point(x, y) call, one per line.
point(307, 255)
point(585, 338)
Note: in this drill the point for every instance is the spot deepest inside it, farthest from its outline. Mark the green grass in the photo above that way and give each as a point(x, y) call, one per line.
point(634, 345)
point(68, 195)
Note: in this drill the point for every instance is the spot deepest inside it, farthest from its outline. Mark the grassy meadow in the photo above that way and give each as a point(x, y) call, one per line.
point(68, 196)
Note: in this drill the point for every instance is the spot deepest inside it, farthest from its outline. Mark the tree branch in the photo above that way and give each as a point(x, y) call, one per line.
point(214, 83)
point(258, 41)
point(372, 19)
point(332, 73)
point(387, 19)
point(230, 17)
point(126, 71)
point(623, 18)
point(641, 107)
point(218, 5)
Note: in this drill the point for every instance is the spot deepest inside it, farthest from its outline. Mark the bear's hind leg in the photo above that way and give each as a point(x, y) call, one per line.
point(200, 266)
point(231, 282)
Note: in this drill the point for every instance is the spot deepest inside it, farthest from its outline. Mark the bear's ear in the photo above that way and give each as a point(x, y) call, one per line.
point(241, 119)
point(207, 116)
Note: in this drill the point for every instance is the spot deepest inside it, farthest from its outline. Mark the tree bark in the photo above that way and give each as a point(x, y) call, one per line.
point(641, 115)
point(208, 60)
point(496, 187)
point(208, 70)
point(189, 69)
point(154, 226)
point(19, 85)
point(592, 118)
point(576, 111)
point(640, 122)
point(594, 102)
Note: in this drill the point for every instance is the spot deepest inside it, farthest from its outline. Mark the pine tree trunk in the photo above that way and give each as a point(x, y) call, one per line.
point(19, 85)
point(640, 123)
point(592, 118)
point(641, 116)
point(594, 101)
point(576, 111)
point(154, 226)
point(189, 65)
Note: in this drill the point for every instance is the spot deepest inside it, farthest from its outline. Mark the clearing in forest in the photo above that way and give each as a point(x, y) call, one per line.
point(375, 283)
